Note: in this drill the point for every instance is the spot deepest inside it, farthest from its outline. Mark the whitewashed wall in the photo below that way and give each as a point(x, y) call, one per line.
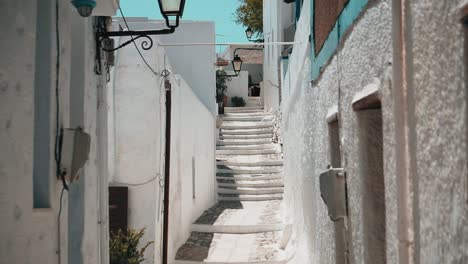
point(274, 12)
point(195, 63)
point(192, 162)
point(139, 135)
point(30, 235)
point(238, 86)
point(137, 147)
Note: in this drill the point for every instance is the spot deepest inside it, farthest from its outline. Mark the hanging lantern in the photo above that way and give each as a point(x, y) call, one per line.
point(237, 64)
point(172, 9)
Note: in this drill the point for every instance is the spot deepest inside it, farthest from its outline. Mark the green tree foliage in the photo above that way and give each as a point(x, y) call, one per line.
point(250, 14)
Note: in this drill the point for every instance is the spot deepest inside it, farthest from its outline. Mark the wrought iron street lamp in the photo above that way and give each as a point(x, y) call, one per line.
point(171, 10)
point(249, 34)
point(237, 64)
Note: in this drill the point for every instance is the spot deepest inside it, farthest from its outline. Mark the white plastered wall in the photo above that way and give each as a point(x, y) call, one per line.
point(138, 125)
point(30, 235)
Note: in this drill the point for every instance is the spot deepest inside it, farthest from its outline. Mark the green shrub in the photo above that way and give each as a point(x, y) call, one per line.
point(123, 248)
point(238, 101)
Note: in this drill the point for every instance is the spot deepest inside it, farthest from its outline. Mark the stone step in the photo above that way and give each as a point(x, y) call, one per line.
point(236, 229)
point(252, 191)
point(242, 109)
point(262, 131)
point(217, 248)
point(244, 142)
point(247, 147)
point(250, 197)
point(243, 127)
point(230, 262)
point(246, 114)
point(248, 118)
point(250, 171)
point(250, 177)
point(250, 164)
point(245, 137)
point(247, 152)
point(263, 184)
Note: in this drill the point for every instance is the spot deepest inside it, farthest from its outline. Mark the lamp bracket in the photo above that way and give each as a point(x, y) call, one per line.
point(103, 38)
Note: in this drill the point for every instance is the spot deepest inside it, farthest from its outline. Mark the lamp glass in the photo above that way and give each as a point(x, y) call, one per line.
point(237, 64)
point(249, 33)
point(171, 7)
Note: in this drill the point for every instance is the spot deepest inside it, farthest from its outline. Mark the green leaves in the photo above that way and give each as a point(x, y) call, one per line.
point(123, 248)
point(250, 14)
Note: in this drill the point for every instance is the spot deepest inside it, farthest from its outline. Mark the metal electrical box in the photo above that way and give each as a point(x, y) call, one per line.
point(333, 192)
point(75, 152)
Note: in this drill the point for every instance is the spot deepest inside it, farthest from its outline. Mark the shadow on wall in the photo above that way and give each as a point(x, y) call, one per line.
point(197, 247)
point(371, 168)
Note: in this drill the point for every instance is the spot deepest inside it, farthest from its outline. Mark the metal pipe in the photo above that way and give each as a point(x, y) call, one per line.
point(167, 168)
point(404, 131)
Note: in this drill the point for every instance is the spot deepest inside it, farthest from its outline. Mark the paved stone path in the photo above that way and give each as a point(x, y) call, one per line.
point(245, 226)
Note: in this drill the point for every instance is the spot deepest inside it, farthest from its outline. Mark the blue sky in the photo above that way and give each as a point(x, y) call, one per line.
point(220, 11)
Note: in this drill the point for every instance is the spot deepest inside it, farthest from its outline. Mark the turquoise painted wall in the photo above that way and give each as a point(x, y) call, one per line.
point(349, 14)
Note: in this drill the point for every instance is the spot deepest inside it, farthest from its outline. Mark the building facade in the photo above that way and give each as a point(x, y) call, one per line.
point(379, 90)
point(51, 79)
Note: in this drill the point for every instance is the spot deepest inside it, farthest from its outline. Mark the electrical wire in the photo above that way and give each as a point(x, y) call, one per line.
point(138, 184)
point(164, 73)
point(136, 47)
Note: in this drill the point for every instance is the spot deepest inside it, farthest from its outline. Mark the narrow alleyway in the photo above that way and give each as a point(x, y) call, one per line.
point(245, 225)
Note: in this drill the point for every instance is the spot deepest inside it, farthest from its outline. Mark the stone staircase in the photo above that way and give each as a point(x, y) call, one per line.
point(245, 225)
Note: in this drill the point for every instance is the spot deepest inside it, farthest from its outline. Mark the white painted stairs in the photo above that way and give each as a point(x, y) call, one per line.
point(250, 191)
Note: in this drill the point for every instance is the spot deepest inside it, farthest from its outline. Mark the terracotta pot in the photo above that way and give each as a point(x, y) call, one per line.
point(225, 100)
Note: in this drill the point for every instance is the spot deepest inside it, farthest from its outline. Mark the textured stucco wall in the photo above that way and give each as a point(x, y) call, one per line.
point(440, 124)
point(306, 144)
point(30, 235)
point(438, 140)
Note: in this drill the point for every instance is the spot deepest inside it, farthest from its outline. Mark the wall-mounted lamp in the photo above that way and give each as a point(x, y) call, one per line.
point(237, 64)
point(84, 7)
point(249, 34)
point(171, 10)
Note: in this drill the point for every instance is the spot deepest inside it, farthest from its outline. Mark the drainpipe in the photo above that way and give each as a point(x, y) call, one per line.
point(167, 167)
point(403, 96)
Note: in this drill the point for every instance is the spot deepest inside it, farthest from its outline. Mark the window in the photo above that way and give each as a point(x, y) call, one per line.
point(42, 114)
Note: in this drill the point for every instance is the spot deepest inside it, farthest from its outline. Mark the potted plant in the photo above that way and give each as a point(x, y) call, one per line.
point(123, 247)
point(238, 101)
point(221, 87)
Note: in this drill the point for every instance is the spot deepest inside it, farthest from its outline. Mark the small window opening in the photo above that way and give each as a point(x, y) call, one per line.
point(42, 105)
point(372, 181)
point(465, 51)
